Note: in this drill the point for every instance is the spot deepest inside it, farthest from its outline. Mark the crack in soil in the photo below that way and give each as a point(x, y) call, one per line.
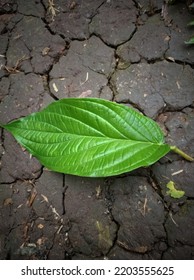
point(69, 252)
point(65, 187)
point(46, 80)
point(110, 201)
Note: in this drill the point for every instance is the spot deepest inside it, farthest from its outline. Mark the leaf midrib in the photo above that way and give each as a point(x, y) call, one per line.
point(77, 136)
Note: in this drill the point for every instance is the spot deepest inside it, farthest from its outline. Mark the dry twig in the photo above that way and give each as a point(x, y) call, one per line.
point(15, 69)
point(51, 9)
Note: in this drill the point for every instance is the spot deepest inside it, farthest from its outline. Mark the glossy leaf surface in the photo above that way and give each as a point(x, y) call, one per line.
point(90, 137)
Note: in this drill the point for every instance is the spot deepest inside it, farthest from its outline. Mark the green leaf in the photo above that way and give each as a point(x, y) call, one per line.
point(191, 23)
point(173, 192)
point(90, 137)
point(190, 42)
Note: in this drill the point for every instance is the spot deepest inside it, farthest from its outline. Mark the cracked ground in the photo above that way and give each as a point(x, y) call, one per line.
point(123, 51)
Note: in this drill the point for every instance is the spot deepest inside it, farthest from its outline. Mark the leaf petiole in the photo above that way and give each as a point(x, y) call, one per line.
point(181, 153)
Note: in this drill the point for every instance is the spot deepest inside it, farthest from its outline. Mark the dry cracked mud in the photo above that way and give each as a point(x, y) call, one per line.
point(123, 51)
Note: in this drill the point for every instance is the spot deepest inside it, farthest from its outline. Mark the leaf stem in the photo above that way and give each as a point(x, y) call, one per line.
point(181, 153)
